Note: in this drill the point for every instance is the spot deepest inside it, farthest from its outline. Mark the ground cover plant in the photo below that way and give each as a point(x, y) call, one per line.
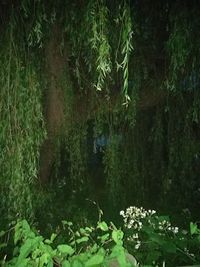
point(150, 238)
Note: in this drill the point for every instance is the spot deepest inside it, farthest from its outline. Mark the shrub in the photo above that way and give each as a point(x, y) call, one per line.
point(154, 241)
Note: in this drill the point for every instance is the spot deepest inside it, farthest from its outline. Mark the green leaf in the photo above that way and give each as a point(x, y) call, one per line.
point(169, 247)
point(82, 239)
point(67, 223)
point(94, 248)
point(103, 226)
point(94, 260)
point(22, 263)
point(116, 250)
point(77, 234)
point(45, 259)
point(157, 239)
point(28, 247)
point(65, 264)
point(50, 241)
point(47, 241)
point(65, 249)
point(77, 263)
point(82, 231)
point(89, 229)
point(53, 236)
point(193, 228)
point(50, 263)
point(117, 236)
point(104, 237)
point(122, 259)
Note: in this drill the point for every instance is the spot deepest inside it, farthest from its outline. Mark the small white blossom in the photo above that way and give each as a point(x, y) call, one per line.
point(137, 245)
point(135, 236)
point(122, 213)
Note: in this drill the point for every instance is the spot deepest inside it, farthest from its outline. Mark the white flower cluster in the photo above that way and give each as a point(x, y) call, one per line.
point(133, 217)
point(166, 226)
point(135, 238)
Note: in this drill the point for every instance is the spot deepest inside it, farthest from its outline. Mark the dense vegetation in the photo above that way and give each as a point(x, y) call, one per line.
point(99, 103)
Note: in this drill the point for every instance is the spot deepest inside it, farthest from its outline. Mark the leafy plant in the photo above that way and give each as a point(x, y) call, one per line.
point(89, 246)
point(153, 240)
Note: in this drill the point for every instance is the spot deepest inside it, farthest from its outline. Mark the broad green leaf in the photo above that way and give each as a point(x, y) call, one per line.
point(157, 239)
point(77, 234)
point(77, 263)
point(67, 223)
point(22, 263)
point(36, 253)
point(82, 257)
point(153, 256)
point(44, 259)
point(28, 247)
point(122, 259)
point(94, 260)
point(103, 226)
point(50, 263)
point(82, 231)
point(53, 236)
point(66, 264)
point(116, 250)
point(50, 241)
point(89, 229)
point(47, 241)
point(94, 248)
point(65, 249)
point(102, 252)
point(82, 239)
point(169, 247)
point(117, 236)
point(104, 237)
point(193, 228)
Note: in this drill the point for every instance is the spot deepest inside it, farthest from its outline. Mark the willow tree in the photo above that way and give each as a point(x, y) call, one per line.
point(128, 66)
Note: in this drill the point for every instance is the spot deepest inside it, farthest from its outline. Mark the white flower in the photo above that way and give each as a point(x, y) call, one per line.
point(175, 230)
point(135, 236)
point(137, 245)
point(122, 213)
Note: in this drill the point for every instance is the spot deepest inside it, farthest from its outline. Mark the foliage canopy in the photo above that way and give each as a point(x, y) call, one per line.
point(72, 72)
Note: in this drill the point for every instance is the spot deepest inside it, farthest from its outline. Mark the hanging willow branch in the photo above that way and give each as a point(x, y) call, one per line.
point(98, 23)
point(21, 125)
point(126, 48)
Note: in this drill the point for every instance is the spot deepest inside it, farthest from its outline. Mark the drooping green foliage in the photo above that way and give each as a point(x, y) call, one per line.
point(125, 43)
point(99, 42)
point(21, 126)
point(129, 74)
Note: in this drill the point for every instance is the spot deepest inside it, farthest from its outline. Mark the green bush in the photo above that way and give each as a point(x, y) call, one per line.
point(155, 242)
point(90, 246)
point(150, 238)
